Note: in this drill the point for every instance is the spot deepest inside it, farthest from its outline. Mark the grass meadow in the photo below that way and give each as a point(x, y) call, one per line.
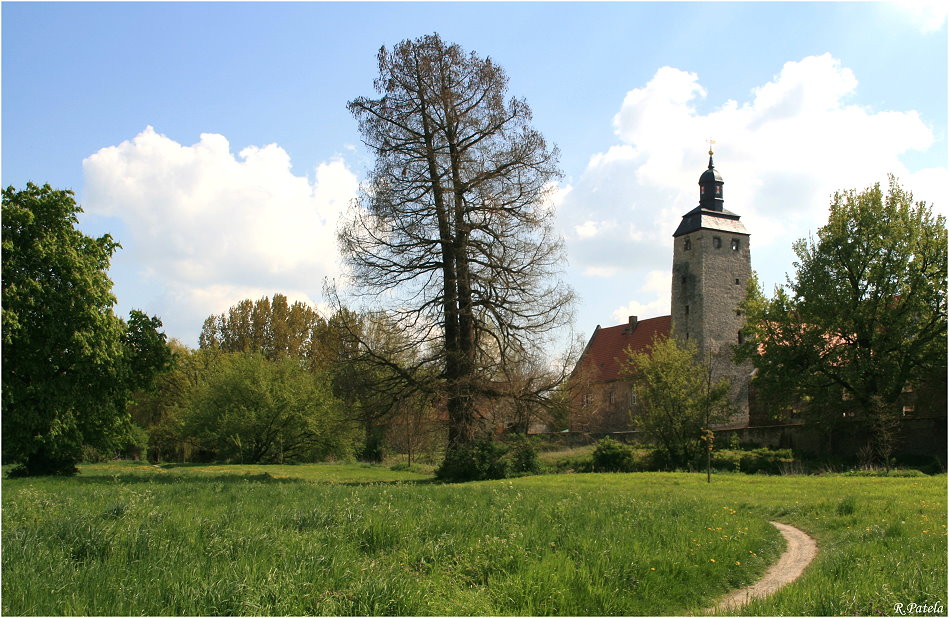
point(337, 539)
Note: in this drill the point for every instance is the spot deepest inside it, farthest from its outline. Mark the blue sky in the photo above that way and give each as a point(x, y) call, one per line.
point(212, 139)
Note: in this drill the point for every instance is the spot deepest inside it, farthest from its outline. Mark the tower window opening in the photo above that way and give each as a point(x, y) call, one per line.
point(688, 244)
point(717, 242)
point(686, 310)
point(735, 244)
point(737, 282)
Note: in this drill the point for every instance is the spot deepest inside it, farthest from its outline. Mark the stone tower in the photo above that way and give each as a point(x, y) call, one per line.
point(711, 265)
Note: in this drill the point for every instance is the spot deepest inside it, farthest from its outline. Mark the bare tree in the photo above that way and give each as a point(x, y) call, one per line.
point(452, 229)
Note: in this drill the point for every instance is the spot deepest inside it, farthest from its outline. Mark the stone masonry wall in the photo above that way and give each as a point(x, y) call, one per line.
point(709, 279)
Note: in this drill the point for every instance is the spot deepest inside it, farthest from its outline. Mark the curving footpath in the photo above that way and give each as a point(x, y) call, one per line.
point(799, 553)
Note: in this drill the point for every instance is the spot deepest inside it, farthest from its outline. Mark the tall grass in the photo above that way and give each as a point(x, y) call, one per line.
point(237, 541)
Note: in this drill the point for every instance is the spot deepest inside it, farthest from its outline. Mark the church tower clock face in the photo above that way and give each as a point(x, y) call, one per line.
point(711, 265)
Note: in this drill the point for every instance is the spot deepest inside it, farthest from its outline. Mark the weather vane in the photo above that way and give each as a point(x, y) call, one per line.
point(710, 142)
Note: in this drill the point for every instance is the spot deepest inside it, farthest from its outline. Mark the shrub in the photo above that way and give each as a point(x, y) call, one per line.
point(764, 460)
point(478, 461)
point(523, 455)
point(611, 456)
point(254, 410)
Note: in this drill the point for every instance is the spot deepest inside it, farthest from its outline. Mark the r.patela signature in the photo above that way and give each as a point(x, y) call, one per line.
point(913, 609)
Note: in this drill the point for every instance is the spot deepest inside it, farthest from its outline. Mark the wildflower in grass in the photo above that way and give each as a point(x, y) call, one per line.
point(711, 559)
point(738, 563)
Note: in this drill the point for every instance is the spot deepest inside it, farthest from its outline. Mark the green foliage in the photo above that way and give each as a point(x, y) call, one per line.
point(271, 327)
point(372, 450)
point(68, 362)
point(522, 453)
point(678, 397)
point(252, 410)
point(145, 350)
point(479, 460)
point(609, 455)
point(862, 319)
point(612, 456)
point(364, 354)
point(759, 460)
point(162, 409)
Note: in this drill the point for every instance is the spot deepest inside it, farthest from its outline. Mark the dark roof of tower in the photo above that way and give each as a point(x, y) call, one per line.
point(704, 219)
point(710, 175)
point(710, 214)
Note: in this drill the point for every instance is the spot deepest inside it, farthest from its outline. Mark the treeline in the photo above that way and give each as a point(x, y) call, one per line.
point(271, 381)
point(275, 382)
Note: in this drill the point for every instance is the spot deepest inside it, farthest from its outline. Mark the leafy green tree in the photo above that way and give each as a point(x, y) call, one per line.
point(160, 408)
point(68, 361)
point(677, 398)
point(146, 352)
point(451, 228)
point(272, 327)
point(253, 410)
point(864, 317)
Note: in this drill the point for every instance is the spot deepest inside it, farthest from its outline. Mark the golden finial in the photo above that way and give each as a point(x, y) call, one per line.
point(710, 143)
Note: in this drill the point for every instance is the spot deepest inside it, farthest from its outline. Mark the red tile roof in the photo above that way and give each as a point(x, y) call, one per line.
point(605, 353)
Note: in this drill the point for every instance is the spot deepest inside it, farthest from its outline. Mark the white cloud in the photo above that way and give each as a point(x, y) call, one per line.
point(587, 229)
point(211, 228)
point(782, 153)
point(591, 229)
point(656, 285)
point(600, 271)
point(927, 15)
point(643, 311)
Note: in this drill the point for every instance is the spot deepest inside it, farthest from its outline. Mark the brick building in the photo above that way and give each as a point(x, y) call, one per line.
point(711, 266)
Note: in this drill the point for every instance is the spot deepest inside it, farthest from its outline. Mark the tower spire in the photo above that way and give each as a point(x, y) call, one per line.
point(711, 195)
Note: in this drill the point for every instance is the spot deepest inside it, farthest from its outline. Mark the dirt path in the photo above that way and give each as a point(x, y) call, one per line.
point(799, 553)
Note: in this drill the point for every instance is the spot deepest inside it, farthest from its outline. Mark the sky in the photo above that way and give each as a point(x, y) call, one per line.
point(212, 140)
